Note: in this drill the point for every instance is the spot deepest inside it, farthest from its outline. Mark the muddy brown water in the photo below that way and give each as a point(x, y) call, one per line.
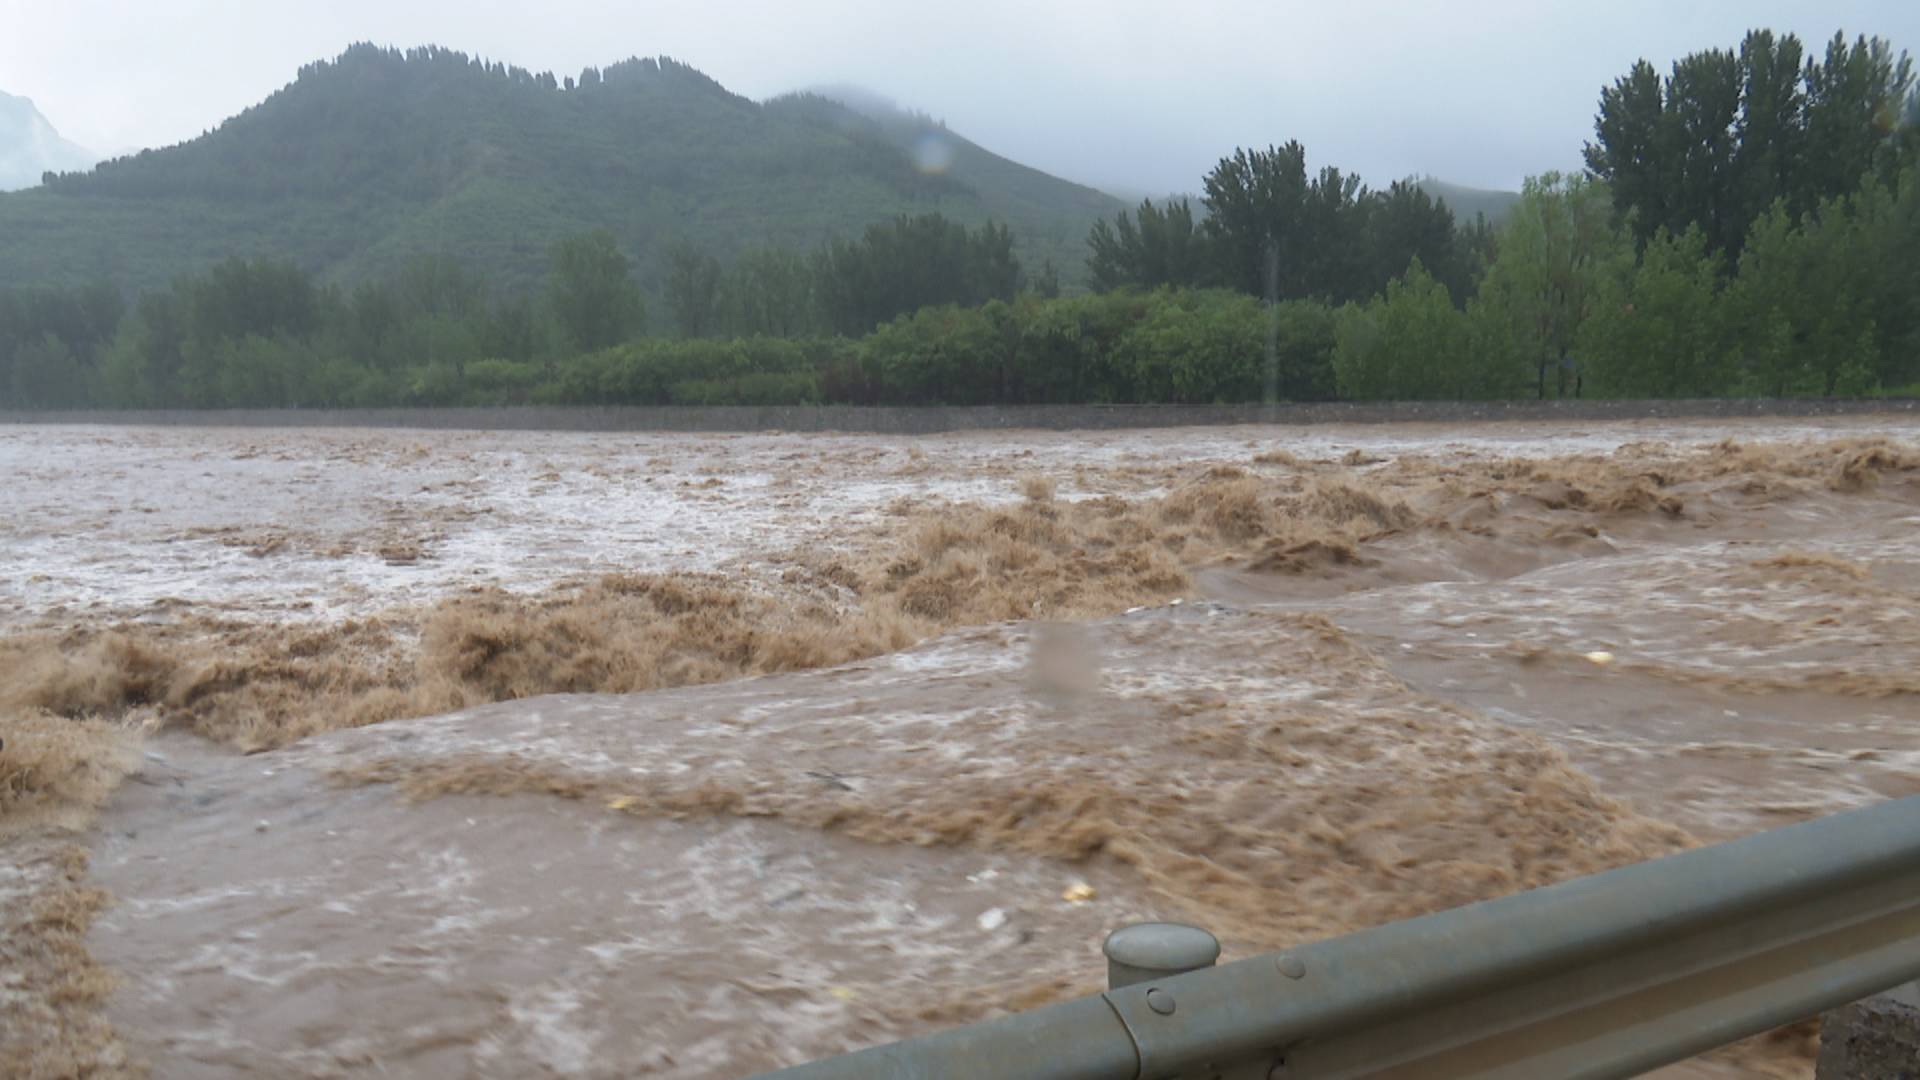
point(713, 880)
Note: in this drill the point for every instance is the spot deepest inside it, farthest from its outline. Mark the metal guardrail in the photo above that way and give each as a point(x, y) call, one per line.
point(1604, 976)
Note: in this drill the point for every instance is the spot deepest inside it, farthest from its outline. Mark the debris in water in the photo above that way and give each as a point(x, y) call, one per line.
point(1212, 737)
point(1600, 657)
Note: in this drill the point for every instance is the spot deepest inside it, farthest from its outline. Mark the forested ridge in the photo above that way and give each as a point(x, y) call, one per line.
point(1746, 225)
point(381, 156)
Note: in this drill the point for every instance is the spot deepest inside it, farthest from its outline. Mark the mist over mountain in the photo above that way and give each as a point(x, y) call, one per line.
point(1467, 202)
point(867, 102)
point(440, 229)
point(379, 155)
point(1014, 192)
point(913, 129)
point(29, 146)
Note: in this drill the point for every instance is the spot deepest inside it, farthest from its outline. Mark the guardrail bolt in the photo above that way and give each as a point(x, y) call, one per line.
point(1292, 966)
point(1144, 952)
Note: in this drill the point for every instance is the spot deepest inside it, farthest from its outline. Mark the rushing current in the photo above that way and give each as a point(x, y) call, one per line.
point(439, 753)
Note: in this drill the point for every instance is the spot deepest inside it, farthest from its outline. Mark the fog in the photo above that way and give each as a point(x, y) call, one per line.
point(1133, 97)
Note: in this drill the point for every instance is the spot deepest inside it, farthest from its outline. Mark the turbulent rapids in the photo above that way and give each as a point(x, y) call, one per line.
point(505, 753)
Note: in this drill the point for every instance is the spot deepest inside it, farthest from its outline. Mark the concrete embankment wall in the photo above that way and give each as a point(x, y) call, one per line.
point(921, 420)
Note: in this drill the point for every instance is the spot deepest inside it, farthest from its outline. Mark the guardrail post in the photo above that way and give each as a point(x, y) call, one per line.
point(1874, 1039)
point(1157, 950)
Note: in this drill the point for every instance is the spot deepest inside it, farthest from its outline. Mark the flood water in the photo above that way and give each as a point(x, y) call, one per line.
point(939, 714)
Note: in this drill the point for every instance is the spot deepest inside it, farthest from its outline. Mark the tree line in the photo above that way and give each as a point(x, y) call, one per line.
point(1728, 133)
point(1745, 225)
point(1268, 229)
point(1819, 304)
point(379, 155)
point(263, 332)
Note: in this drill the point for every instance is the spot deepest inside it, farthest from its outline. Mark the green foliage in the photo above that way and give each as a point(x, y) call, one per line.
point(1657, 329)
point(1806, 170)
point(755, 388)
point(1825, 302)
point(1049, 217)
point(770, 292)
point(52, 341)
point(43, 373)
point(1855, 99)
point(1477, 244)
point(1165, 248)
point(1302, 335)
point(1404, 223)
point(911, 263)
point(1885, 226)
point(502, 382)
point(1196, 347)
point(1274, 232)
point(1410, 343)
point(693, 290)
point(1167, 345)
point(701, 371)
point(1727, 134)
point(261, 297)
point(1468, 203)
point(371, 159)
point(591, 293)
point(947, 355)
point(253, 371)
point(1546, 278)
point(1044, 284)
point(1254, 203)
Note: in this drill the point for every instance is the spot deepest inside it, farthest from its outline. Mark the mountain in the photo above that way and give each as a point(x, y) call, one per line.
point(379, 155)
point(1465, 201)
point(29, 146)
point(919, 133)
point(1060, 212)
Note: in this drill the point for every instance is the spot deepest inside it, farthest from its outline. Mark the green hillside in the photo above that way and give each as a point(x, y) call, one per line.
point(1055, 214)
point(367, 160)
point(1465, 202)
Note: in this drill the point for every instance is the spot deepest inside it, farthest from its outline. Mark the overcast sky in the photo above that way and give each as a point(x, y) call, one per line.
point(1141, 97)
